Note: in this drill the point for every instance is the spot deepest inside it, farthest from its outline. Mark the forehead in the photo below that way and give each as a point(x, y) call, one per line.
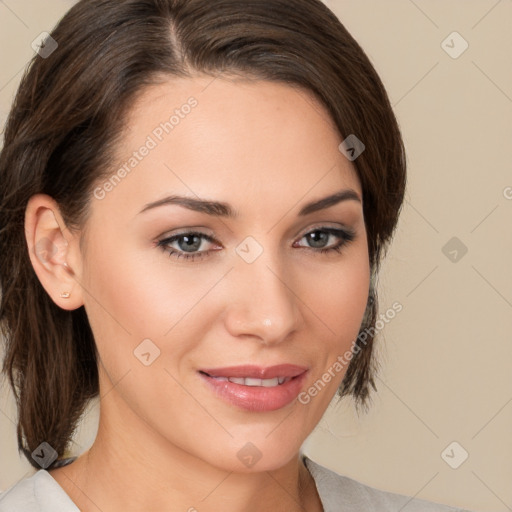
point(219, 137)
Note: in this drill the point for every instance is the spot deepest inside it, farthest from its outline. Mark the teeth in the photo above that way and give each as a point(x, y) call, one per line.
point(249, 381)
point(254, 382)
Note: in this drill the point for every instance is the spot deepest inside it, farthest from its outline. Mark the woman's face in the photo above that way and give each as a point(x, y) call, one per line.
point(178, 290)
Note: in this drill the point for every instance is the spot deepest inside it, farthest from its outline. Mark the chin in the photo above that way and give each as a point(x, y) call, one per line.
point(257, 455)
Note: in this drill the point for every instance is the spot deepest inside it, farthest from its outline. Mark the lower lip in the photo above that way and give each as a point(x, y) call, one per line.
point(257, 398)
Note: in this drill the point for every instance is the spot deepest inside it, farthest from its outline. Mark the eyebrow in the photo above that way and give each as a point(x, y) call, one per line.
point(220, 209)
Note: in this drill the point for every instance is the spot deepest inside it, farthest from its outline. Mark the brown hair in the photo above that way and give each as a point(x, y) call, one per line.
point(68, 115)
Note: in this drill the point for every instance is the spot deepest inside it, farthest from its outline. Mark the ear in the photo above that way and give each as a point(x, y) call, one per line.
point(54, 252)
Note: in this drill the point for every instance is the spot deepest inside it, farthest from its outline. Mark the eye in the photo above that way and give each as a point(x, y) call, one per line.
point(319, 239)
point(187, 245)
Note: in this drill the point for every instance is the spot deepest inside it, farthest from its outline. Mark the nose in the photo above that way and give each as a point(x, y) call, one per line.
point(262, 302)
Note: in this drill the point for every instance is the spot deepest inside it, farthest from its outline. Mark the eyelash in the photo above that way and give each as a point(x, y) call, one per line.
point(345, 235)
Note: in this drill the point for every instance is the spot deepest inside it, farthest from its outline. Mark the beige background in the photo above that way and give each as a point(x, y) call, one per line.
point(446, 356)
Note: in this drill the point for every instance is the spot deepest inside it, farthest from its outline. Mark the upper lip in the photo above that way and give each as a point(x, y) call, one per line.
point(256, 372)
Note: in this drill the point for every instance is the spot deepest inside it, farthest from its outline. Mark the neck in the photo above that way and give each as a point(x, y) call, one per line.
point(128, 471)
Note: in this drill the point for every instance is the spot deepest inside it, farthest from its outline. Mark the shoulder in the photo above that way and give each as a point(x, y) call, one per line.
point(339, 492)
point(36, 493)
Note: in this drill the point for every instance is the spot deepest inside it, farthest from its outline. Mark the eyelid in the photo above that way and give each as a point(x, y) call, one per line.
point(187, 231)
point(325, 225)
point(209, 235)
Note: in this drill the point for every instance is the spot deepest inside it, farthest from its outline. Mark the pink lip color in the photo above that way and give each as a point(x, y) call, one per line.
point(257, 398)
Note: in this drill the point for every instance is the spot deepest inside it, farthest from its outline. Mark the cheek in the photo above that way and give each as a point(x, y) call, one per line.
point(341, 307)
point(338, 300)
point(144, 294)
point(339, 296)
point(133, 296)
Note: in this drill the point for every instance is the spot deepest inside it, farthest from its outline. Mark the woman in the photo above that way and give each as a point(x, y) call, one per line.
point(196, 198)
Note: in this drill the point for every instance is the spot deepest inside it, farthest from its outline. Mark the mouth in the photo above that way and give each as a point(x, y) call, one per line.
point(249, 381)
point(254, 388)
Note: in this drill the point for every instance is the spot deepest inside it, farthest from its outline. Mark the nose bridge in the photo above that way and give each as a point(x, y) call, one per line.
point(263, 303)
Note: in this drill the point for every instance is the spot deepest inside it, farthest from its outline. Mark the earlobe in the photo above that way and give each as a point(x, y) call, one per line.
point(51, 245)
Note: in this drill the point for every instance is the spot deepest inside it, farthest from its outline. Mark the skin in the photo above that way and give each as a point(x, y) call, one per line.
point(267, 149)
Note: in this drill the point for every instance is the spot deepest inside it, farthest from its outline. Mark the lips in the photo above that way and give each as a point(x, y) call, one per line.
point(248, 381)
point(255, 388)
point(256, 372)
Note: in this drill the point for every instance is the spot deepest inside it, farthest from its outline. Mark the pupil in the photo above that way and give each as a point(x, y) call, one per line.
point(192, 243)
point(318, 238)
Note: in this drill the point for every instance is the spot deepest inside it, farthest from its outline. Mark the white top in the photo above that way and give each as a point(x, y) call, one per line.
point(41, 493)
